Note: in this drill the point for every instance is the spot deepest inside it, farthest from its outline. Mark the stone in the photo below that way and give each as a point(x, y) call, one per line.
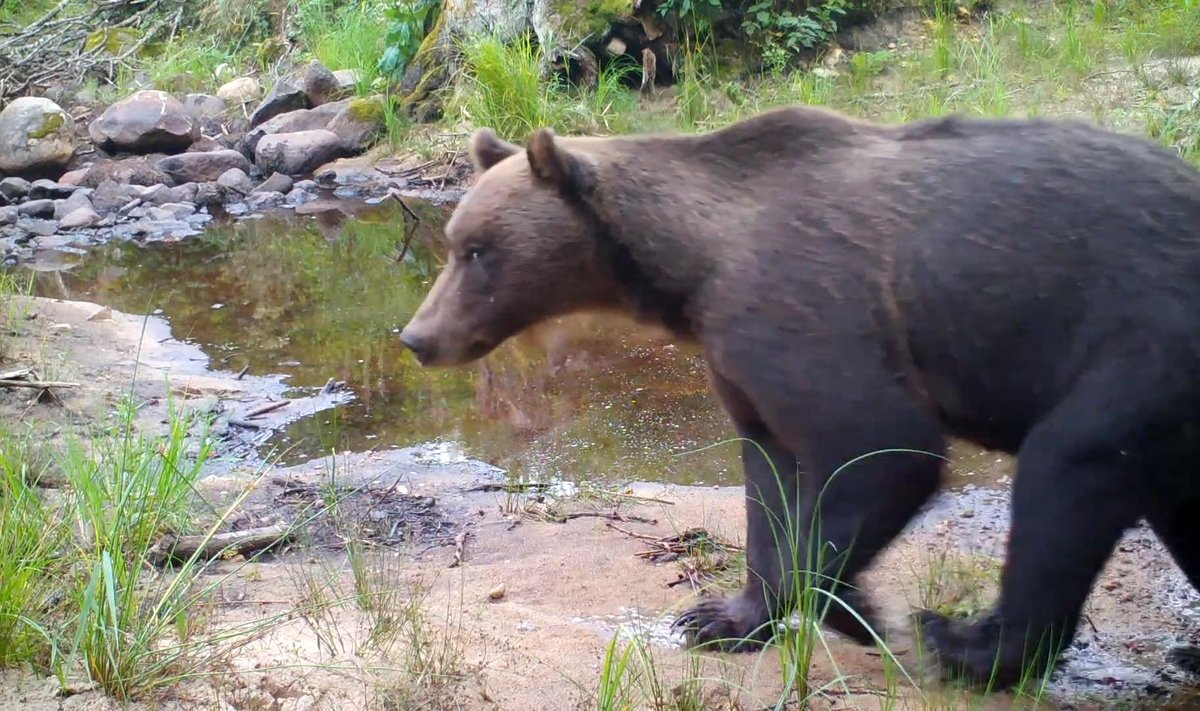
point(79, 218)
point(260, 200)
point(320, 84)
point(202, 167)
point(178, 210)
point(66, 206)
point(307, 186)
point(240, 91)
point(203, 106)
point(139, 170)
point(73, 177)
point(146, 121)
point(359, 122)
point(284, 97)
point(297, 153)
point(37, 208)
point(277, 183)
point(8, 215)
point(37, 227)
point(42, 189)
point(347, 79)
point(237, 181)
point(111, 196)
point(36, 136)
point(14, 188)
point(294, 122)
point(208, 194)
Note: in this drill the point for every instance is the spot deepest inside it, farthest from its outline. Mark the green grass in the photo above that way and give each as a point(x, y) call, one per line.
point(502, 87)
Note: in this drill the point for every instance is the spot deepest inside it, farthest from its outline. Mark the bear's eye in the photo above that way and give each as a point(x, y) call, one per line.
point(473, 253)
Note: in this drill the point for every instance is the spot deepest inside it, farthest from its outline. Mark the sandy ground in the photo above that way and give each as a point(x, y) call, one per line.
point(519, 607)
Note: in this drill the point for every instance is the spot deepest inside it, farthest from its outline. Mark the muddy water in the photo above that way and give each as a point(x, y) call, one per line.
point(321, 296)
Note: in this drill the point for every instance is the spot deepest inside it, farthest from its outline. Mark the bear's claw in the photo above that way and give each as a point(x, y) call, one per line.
point(971, 650)
point(725, 623)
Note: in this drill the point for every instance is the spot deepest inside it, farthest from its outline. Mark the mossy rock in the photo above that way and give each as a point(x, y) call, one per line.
point(587, 19)
point(50, 126)
point(113, 40)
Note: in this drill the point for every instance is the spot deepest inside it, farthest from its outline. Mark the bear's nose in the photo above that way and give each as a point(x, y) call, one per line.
point(421, 347)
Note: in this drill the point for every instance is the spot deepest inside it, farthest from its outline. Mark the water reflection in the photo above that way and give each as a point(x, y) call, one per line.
point(321, 296)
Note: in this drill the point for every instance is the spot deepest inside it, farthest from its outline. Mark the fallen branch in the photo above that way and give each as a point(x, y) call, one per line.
point(459, 542)
point(171, 547)
point(243, 421)
point(613, 516)
point(37, 384)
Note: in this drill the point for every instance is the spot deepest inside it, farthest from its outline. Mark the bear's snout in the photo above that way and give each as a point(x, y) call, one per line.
point(421, 346)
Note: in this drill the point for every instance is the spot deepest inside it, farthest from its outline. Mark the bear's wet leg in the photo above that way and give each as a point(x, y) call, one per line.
point(1074, 495)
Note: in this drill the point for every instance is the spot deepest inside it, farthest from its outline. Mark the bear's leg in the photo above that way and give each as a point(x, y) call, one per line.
point(742, 622)
point(1074, 495)
point(1176, 528)
point(860, 512)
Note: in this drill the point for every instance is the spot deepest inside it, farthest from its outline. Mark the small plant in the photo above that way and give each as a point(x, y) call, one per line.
point(408, 22)
point(770, 24)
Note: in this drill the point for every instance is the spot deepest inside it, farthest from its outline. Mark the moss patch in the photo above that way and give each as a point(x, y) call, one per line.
point(50, 125)
point(581, 18)
point(367, 110)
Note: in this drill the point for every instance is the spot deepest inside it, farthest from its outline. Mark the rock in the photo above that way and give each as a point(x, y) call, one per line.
point(74, 177)
point(147, 121)
point(64, 207)
point(297, 153)
point(320, 84)
point(497, 592)
point(359, 122)
point(36, 136)
point(307, 186)
point(294, 122)
point(208, 194)
point(277, 183)
point(15, 189)
point(111, 196)
point(161, 194)
point(260, 200)
point(206, 145)
point(236, 180)
point(347, 79)
point(299, 197)
point(171, 212)
point(178, 210)
point(203, 106)
point(36, 208)
point(140, 170)
point(79, 218)
point(240, 91)
point(203, 167)
point(284, 97)
point(40, 228)
point(8, 215)
point(43, 189)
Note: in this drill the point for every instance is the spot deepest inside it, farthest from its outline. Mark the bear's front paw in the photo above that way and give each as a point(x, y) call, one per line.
point(972, 650)
point(731, 624)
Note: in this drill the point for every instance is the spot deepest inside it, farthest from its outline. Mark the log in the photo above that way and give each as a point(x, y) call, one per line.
point(171, 547)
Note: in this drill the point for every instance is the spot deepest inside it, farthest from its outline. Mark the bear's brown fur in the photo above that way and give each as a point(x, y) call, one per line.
point(860, 289)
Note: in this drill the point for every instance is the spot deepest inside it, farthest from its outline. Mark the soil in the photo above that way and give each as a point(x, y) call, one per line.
point(523, 591)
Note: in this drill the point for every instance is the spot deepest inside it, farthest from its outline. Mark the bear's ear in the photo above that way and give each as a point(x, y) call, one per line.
point(488, 149)
point(554, 164)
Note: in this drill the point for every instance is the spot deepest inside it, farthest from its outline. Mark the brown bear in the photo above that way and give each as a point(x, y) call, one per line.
point(868, 289)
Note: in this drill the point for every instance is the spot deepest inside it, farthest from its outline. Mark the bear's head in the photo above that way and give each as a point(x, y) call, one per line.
point(522, 248)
